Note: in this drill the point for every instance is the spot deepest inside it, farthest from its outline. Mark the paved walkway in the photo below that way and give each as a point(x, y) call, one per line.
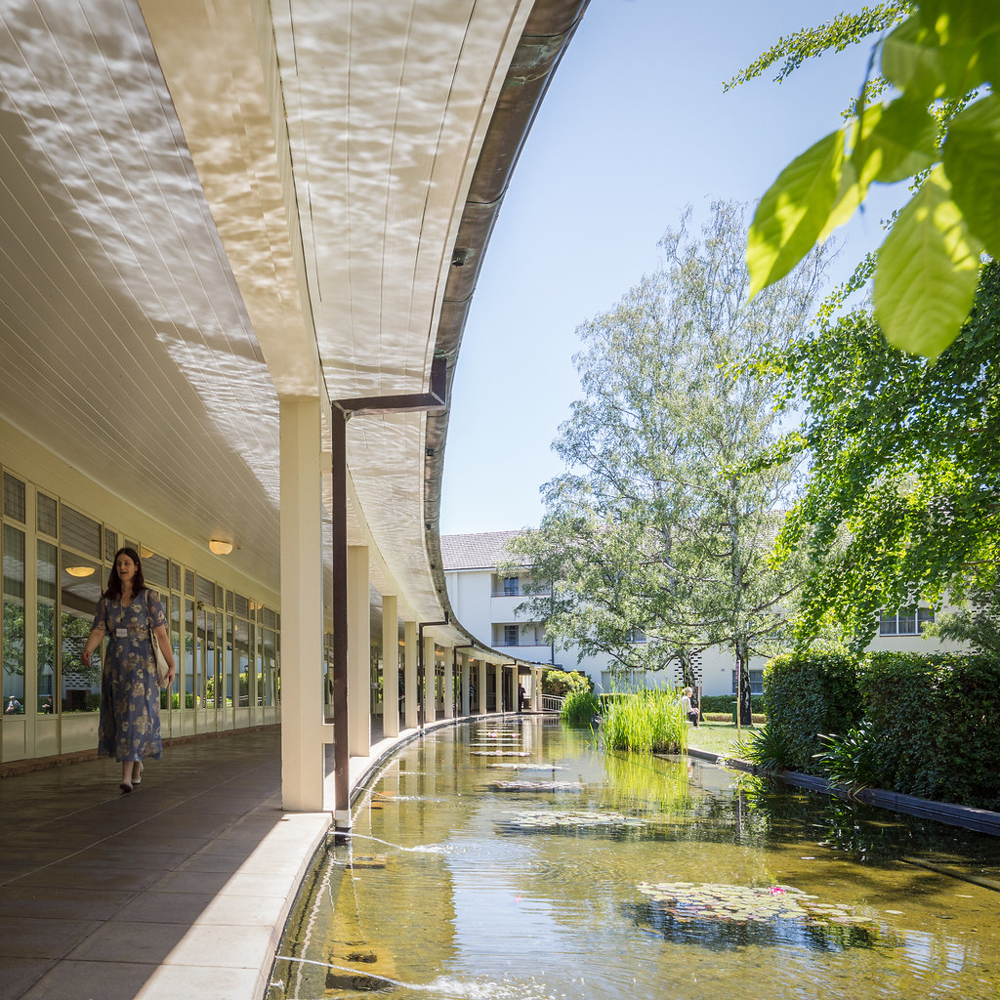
point(178, 891)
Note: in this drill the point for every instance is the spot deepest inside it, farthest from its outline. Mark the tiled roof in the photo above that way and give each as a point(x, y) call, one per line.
point(482, 550)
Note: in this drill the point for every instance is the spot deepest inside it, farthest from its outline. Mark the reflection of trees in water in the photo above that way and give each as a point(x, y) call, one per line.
point(723, 935)
point(866, 833)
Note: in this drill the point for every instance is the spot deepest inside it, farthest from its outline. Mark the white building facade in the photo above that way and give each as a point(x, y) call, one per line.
point(487, 600)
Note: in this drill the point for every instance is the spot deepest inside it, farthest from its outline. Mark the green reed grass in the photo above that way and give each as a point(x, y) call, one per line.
point(645, 722)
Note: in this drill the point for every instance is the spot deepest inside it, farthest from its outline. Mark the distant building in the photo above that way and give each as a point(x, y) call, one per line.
point(486, 603)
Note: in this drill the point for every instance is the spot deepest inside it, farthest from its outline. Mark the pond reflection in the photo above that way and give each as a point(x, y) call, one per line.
point(598, 875)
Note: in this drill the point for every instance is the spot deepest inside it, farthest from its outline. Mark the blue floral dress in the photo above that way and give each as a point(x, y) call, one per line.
point(129, 727)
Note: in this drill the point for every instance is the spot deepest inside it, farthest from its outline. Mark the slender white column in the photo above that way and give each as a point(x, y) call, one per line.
point(481, 687)
point(449, 682)
point(536, 689)
point(303, 732)
point(430, 712)
point(410, 695)
point(358, 651)
point(463, 659)
point(498, 677)
point(390, 665)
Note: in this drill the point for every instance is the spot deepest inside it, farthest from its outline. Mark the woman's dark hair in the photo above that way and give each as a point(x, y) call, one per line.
point(114, 591)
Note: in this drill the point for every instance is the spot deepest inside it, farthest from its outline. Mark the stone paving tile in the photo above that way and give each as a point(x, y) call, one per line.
point(18, 975)
point(94, 981)
point(69, 904)
point(38, 937)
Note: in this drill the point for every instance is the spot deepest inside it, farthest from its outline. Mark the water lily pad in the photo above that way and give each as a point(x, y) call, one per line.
point(568, 821)
point(536, 786)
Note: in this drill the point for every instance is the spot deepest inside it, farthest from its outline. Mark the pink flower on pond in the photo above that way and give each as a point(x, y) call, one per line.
point(777, 890)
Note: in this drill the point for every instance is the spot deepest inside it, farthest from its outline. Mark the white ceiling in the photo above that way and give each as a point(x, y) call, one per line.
point(208, 203)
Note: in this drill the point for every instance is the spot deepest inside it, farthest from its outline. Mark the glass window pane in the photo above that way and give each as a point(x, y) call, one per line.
point(924, 615)
point(188, 583)
point(80, 587)
point(241, 647)
point(47, 589)
point(154, 570)
point(110, 544)
point(13, 619)
point(887, 624)
point(81, 532)
point(908, 621)
point(46, 515)
point(189, 638)
point(14, 498)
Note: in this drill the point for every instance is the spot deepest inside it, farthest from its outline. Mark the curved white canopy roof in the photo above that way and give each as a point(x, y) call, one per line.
point(212, 204)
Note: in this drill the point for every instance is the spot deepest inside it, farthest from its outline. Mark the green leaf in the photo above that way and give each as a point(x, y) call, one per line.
point(901, 143)
point(927, 272)
point(794, 211)
point(915, 59)
point(972, 163)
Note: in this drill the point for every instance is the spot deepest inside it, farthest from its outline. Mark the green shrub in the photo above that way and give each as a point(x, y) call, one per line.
point(645, 722)
point(561, 682)
point(724, 703)
point(937, 714)
point(580, 708)
point(855, 759)
point(766, 748)
point(808, 694)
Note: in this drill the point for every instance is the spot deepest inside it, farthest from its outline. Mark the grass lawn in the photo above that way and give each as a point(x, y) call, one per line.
point(718, 737)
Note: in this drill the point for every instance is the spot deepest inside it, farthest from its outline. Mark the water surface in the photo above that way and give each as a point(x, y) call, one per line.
point(610, 876)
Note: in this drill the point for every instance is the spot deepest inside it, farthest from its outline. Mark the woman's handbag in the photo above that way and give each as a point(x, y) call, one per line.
point(162, 667)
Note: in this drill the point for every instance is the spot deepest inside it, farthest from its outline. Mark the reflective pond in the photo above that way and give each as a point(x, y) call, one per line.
point(515, 860)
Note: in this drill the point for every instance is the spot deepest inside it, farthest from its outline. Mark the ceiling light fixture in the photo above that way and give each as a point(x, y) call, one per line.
point(80, 571)
point(220, 547)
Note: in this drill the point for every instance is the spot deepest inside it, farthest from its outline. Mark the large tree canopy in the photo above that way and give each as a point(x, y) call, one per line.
point(942, 124)
point(659, 526)
point(904, 495)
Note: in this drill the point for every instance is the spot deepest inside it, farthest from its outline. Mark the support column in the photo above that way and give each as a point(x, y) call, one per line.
point(536, 689)
point(390, 665)
point(359, 651)
point(303, 732)
point(449, 682)
point(430, 667)
point(499, 686)
point(410, 693)
point(481, 686)
point(463, 658)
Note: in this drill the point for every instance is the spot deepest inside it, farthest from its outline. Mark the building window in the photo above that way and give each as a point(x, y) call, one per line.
point(511, 586)
point(906, 621)
point(636, 635)
point(511, 635)
point(756, 682)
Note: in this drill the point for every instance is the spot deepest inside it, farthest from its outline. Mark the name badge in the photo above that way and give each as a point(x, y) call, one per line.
point(121, 633)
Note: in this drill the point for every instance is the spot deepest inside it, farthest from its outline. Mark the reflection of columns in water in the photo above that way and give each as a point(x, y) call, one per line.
point(358, 651)
point(410, 694)
point(463, 658)
point(481, 687)
point(390, 665)
point(429, 670)
point(499, 686)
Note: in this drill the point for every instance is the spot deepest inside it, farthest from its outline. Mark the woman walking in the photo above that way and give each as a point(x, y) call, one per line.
point(131, 617)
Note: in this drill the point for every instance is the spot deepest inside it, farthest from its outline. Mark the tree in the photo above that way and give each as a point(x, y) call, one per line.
point(904, 495)
point(942, 125)
point(660, 525)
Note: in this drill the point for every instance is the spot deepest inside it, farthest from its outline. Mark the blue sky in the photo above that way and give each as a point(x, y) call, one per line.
point(635, 126)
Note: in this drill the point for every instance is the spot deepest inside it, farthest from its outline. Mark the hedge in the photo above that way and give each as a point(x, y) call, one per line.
point(936, 716)
point(809, 694)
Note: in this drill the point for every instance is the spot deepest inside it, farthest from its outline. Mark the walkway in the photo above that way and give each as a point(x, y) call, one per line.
point(177, 891)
